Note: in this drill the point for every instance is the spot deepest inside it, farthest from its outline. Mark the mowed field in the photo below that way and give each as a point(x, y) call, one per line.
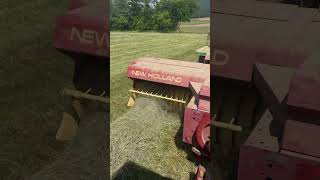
point(32, 74)
point(196, 25)
point(146, 140)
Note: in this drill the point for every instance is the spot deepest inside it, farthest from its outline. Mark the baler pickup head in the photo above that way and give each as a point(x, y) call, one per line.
point(165, 79)
point(184, 83)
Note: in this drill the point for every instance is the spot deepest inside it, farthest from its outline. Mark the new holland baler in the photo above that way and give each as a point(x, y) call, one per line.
point(266, 78)
point(186, 84)
point(186, 88)
point(82, 33)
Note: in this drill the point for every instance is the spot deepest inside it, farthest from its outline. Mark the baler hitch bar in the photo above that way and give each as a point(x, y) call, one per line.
point(230, 126)
point(85, 95)
point(70, 120)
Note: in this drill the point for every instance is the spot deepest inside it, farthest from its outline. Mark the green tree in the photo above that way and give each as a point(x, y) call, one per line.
point(151, 15)
point(119, 15)
point(164, 22)
point(179, 11)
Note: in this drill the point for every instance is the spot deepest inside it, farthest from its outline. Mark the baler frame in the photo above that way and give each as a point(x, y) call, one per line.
point(82, 33)
point(268, 107)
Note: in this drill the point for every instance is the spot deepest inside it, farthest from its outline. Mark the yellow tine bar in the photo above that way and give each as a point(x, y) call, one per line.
point(158, 96)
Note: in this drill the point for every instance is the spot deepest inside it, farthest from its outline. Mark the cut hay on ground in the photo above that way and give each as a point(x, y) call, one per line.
point(87, 156)
point(148, 136)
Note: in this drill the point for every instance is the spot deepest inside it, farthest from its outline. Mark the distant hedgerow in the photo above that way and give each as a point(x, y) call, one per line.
point(151, 15)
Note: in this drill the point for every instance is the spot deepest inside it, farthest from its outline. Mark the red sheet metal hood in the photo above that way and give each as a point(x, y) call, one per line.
point(84, 29)
point(268, 33)
point(173, 72)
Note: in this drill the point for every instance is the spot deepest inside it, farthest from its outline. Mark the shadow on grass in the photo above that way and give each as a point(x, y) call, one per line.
point(131, 170)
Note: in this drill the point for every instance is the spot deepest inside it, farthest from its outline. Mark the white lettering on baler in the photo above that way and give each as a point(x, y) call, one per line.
point(87, 36)
point(139, 73)
point(157, 76)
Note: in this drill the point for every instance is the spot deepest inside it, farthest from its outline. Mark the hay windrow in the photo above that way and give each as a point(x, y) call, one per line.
point(146, 136)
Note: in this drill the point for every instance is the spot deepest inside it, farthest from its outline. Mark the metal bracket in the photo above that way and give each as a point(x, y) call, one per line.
point(85, 95)
point(228, 126)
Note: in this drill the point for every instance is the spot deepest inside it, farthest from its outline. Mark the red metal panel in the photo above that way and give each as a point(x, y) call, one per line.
point(84, 30)
point(192, 117)
point(301, 137)
point(239, 59)
point(204, 104)
point(201, 93)
point(190, 122)
point(272, 39)
point(179, 73)
point(261, 36)
point(203, 131)
point(255, 9)
point(205, 88)
point(258, 164)
point(231, 61)
point(305, 88)
point(195, 89)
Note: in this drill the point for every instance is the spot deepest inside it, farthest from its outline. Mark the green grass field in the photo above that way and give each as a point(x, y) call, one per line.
point(32, 73)
point(151, 142)
point(197, 21)
point(198, 25)
point(191, 29)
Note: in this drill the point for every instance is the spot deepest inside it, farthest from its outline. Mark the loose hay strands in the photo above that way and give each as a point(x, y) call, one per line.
point(147, 136)
point(86, 157)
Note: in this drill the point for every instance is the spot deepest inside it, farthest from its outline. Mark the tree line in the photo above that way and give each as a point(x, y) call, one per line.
point(151, 15)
